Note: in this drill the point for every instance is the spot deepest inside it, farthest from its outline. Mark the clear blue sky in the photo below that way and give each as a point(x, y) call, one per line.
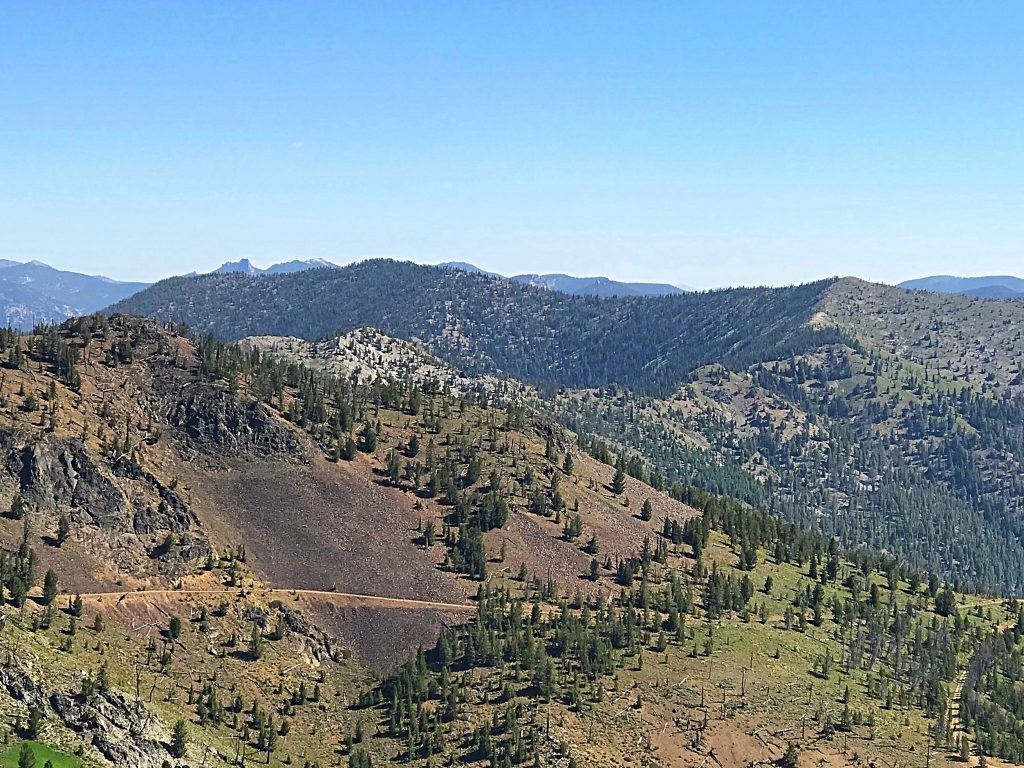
point(704, 144)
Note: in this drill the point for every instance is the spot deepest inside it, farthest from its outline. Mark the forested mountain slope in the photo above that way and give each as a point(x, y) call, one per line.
point(258, 543)
point(165, 479)
point(908, 437)
point(971, 340)
point(893, 419)
point(487, 325)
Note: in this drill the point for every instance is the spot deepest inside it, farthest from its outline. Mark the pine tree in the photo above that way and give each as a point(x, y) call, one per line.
point(19, 591)
point(619, 480)
point(368, 438)
point(35, 722)
point(348, 453)
point(945, 602)
point(17, 510)
point(394, 468)
point(256, 643)
point(63, 529)
point(49, 587)
point(646, 510)
point(179, 739)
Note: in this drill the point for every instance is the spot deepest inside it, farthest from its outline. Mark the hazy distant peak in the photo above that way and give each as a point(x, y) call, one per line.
point(298, 266)
point(987, 286)
point(242, 265)
point(33, 292)
point(465, 266)
point(600, 286)
point(597, 286)
point(246, 267)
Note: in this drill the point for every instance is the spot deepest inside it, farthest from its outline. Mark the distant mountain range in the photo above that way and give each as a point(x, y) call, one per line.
point(989, 287)
point(602, 287)
point(34, 292)
point(286, 267)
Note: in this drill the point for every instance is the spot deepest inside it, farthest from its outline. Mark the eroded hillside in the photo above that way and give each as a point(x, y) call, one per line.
point(256, 544)
point(883, 416)
point(147, 475)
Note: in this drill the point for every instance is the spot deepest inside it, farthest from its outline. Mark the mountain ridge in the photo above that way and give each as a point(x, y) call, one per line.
point(33, 292)
point(567, 335)
point(246, 267)
point(989, 286)
point(603, 287)
point(212, 552)
point(876, 391)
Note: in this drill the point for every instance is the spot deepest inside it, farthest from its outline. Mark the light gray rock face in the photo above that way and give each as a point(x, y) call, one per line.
point(120, 730)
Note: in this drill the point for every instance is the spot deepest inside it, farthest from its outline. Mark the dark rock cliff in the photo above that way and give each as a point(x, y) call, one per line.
point(115, 502)
point(215, 421)
point(56, 474)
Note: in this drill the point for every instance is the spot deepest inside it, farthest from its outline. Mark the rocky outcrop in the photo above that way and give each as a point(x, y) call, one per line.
point(549, 429)
point(117, 504)
point(170, 513)
point(315, 642)
point(58, 474)
point(220, 423)
point(178, 553)
point(21, 687)
point(117, 729)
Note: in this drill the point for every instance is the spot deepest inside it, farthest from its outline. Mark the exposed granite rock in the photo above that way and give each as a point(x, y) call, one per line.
point(21, 687)
point(117, 729)
point(303, 633)
point(162, 517)
point(550, 429)
point(317, 643)
point(257, 616)
point(178, 552)
point(118, 504)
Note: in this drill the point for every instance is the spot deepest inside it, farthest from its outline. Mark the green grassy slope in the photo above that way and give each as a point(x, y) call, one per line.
point(42, 753)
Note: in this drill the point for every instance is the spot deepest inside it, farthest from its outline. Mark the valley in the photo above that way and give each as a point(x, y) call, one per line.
point(491, 385)
point(823, 402)
point(376, 563)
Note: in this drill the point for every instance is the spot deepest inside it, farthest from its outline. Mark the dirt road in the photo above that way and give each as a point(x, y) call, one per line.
point(374, 601)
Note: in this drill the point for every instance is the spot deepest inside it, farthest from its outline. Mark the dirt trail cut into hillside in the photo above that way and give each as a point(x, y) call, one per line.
point(341, 599)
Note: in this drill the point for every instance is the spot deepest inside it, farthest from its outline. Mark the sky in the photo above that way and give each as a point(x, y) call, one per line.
point(703, 144)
